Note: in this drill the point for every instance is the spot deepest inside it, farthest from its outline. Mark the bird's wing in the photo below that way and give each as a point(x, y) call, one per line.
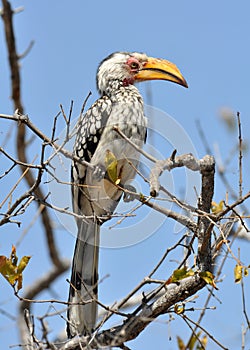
point(90, 129)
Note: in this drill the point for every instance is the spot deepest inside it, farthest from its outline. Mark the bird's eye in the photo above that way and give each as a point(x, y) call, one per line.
point(134, 65)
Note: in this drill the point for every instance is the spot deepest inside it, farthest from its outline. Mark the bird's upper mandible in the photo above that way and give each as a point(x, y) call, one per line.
point(124, 68)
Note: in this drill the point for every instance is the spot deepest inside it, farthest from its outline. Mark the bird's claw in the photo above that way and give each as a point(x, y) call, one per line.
point(99, 172)
point(129, 196)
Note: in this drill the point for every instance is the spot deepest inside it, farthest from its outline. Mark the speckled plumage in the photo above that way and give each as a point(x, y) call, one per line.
point(120, 106)
point(96, 136)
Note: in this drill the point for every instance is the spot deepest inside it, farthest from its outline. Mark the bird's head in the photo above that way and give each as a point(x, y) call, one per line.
point(124, 68)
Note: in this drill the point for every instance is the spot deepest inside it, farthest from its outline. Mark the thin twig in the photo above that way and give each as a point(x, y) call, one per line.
point(185, 319)
point(206, 332)
point(17, 162)
point(41, 284)
point(27, 51)
point(240, 155)
point(140, 150)
point(244, 302)
point(19, 118)
point(13, 188)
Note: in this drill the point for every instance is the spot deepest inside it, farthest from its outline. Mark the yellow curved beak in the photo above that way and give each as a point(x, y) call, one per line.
point(159, 69)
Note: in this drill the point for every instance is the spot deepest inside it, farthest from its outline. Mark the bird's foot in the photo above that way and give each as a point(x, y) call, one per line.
point(99, 172)
point(130, 195)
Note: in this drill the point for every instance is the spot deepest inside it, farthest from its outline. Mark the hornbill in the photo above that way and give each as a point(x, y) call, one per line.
point(95, 194)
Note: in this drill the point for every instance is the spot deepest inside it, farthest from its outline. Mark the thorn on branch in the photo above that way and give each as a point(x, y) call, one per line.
point(27, 51)
point(172, 157)
point(144, 298)
point(18, 10)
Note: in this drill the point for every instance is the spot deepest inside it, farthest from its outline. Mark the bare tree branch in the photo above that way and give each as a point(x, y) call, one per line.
point(7, 16)
point(34, 184)
point(19, 118)
point(136, 324)
point(204, 204)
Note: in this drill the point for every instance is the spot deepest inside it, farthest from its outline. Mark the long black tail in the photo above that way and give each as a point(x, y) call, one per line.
point(84, 281)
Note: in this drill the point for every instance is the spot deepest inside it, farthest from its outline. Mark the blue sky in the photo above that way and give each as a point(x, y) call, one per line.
point(209, 43)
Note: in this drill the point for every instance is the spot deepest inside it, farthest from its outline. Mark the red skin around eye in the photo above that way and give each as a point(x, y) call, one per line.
point(133, 60)
point(130, 80)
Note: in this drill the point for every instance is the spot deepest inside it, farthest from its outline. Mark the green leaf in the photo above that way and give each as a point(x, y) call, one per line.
point(204, 341)
point(111, 167)
point(208, 277)
point(9, 269)
point(193, 341)
point(180, 274)
point(23, 263)
point(181, 345)
point(238, 273)
point(217, 207)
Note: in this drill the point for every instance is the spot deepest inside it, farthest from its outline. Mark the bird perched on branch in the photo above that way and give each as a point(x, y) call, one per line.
point(97, 192)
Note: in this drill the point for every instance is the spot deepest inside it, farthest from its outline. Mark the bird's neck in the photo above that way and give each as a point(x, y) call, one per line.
point(112, 87)
point(116, 87)
point(118, 91)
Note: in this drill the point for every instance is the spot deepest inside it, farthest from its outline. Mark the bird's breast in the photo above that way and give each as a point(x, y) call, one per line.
point(124, 111)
